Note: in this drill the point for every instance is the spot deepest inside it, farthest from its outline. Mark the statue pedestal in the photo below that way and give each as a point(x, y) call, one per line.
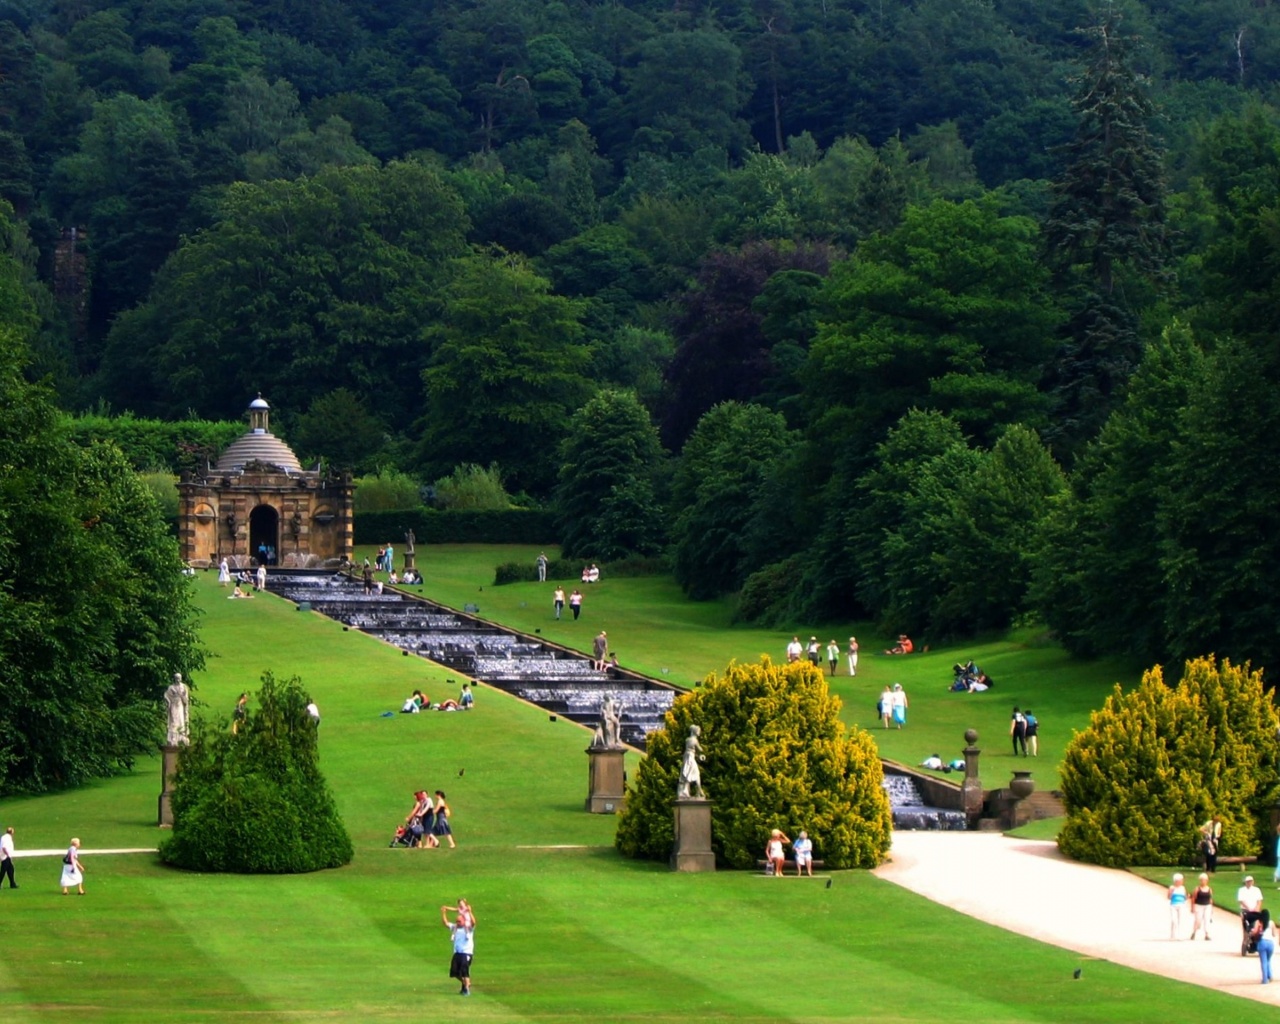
point(410, 560)
point(692, 848)
point(168, 766)
point(972, 795)
point(606, 780)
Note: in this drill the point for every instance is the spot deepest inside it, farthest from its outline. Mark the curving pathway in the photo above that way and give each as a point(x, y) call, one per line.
point(61, 851)
point(1027, 886)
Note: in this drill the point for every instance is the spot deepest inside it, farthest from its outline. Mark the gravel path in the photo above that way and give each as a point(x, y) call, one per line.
point(1099, 913)
point(61, 851)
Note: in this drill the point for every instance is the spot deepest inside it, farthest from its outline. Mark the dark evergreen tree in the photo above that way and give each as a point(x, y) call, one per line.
point(254, 801)
point(723, 353)
point(1106, 233)
point(89, 638)
point(606, 505)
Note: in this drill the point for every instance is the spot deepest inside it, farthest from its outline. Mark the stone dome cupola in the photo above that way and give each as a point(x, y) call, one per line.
point(259, 445)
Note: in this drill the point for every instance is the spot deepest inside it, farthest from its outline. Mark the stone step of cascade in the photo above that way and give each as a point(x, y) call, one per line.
point(562, 681)
point(910, 812)
point(1045, 804)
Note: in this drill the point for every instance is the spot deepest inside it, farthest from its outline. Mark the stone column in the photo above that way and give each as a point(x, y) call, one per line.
point(971, 795)
point(692, 848)
point(606, 780)
point(168, 766)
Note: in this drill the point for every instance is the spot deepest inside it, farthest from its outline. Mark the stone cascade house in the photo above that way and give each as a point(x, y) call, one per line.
point(258, 504)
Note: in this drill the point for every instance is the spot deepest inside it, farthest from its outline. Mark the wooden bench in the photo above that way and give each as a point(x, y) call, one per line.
point(789, 866)
point(1241, 862)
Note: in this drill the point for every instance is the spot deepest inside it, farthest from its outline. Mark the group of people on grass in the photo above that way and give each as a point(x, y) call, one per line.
point(892, 706)
point(575, 602)
point(796, 651)
point(427, 823)
point(968, 678)
point(419, 701)
point(1024, 728)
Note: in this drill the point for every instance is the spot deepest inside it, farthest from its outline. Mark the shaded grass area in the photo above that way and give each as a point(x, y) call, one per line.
point(656, 630)
point(568, 930)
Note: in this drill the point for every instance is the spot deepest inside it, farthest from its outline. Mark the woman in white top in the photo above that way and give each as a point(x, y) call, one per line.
point(773, 854)
point(72, 872)
point(224, 573)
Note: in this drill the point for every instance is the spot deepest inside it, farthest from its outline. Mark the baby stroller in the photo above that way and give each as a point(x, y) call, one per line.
point(409, 835)
point(1253, 923)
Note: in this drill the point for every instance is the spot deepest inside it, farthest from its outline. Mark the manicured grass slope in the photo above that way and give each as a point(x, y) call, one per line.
point(655, 630)
point(571, 934)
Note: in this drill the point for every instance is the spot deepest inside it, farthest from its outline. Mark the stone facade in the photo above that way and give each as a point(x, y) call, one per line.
point(258, 496)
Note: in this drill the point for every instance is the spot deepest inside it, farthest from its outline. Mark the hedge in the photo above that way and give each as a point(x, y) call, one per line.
point(570, 569)
point(149, 444)
point(431, 526)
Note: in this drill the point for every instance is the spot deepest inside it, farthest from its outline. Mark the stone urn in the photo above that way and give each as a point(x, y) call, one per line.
point(1022, 785)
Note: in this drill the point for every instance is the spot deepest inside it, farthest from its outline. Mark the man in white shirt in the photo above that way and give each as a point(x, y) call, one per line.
point(802, 850)
point(463, 931)
point(1249, 896)
point(6, 858)
point(794, 649)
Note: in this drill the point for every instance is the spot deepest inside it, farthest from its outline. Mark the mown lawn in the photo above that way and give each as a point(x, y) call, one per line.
point(655, 630)
point(568, 930)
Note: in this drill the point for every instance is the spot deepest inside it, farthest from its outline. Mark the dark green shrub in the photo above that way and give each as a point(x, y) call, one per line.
point(1156, 762)
point(777, 756)
point(527, 572)
point(571, 569)
point(255, 802)
point(766, 597)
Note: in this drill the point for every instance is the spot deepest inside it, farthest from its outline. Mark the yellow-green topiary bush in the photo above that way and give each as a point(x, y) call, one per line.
point(777, 756)
point(1156, 763)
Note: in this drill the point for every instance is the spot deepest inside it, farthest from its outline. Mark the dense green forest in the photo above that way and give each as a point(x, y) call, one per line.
point(939, 312)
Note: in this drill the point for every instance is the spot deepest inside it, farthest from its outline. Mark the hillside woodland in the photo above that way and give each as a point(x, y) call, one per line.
point(942, 313)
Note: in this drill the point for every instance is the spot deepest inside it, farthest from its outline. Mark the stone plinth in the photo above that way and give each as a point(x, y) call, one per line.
point(168, 766)
point(606, 780)
point(692, 848)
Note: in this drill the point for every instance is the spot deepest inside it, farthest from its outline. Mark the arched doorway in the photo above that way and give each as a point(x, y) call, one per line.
point(264, 534)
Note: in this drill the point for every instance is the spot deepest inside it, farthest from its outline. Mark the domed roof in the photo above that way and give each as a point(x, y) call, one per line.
point(258, 445)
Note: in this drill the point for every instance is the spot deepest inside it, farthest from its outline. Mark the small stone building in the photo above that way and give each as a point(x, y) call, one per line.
point(258, 503)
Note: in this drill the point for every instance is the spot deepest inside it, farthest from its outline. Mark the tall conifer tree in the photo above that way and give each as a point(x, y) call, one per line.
point(1106, 233)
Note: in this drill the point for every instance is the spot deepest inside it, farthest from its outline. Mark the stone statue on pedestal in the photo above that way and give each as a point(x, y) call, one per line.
point(608, 733)
point(178, 700)
point(690, 775)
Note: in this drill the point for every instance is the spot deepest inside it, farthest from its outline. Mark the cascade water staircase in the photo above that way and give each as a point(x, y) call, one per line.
point(556, 678)
point(561, 680)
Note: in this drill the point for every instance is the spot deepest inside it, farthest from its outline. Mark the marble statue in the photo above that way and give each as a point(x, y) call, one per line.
point(178, 700)
point(609, 732)
point(690, 776)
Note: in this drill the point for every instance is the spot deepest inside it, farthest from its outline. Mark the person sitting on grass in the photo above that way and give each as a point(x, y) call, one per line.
point(414, 704)
point(237, 593)
point(903, 646)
